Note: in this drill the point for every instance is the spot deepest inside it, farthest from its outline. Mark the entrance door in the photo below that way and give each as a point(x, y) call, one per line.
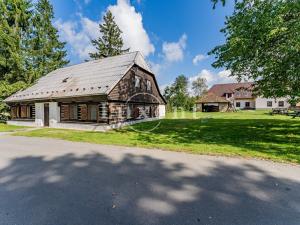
point(46, 115)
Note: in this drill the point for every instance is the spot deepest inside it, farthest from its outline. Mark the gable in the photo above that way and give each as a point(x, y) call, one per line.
point(125, 89)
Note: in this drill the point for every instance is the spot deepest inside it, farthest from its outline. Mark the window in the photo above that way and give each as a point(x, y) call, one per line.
point(281, 103)
point(148, 85)
point(73, 112)
point(93, 112)
point(137, 82)
point(247, 104)
point(238, 104)
point(229, 95)
point(269, 103)
point(23, 112)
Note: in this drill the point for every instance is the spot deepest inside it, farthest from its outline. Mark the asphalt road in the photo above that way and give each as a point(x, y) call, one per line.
point(53, 182)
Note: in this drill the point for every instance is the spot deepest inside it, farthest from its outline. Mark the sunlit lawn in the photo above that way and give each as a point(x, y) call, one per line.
point(7, 128)
point(246, 133)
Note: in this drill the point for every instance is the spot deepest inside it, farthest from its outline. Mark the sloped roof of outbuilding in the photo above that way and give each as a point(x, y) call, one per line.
point(244, 90)
point(211, 98)
point(90, 78)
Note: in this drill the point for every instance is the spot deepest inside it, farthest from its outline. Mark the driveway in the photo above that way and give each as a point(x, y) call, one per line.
point(53, 182)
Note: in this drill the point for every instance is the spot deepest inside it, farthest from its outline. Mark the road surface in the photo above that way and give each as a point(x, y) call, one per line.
point(55, 182)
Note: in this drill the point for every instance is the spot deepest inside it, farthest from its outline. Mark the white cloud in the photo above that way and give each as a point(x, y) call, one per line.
point(156, 67)
point(214, 78)
point(131, 24)
point(174, 51)
point(199, 58)
point(79, 35)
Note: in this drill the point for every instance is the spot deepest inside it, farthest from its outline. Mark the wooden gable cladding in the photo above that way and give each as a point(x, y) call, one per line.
point(125, 90)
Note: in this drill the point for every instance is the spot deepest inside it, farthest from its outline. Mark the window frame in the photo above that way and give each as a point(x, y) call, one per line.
point(247, 104)
point(280, 103)
point(238, 104)
point(269, 103)
point(148, 85)
point(137, 84)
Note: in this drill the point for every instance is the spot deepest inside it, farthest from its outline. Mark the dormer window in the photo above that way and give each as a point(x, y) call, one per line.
point(65, 80)
point(137, 83)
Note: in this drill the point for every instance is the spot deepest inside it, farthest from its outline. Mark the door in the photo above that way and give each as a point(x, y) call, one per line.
point(46, 115)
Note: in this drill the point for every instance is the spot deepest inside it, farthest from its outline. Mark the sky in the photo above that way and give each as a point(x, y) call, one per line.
point(173, 35)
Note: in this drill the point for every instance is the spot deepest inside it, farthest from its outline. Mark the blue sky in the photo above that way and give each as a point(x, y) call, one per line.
point(174, 36)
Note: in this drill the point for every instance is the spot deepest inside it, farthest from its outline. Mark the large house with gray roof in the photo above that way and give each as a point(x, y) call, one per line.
point(107, 91)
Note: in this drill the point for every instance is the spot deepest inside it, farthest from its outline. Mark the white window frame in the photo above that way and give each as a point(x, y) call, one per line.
point(149, 85)
point(137, 82)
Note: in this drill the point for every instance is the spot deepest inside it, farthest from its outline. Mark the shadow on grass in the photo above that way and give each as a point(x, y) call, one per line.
point(270, 136)
point(95, 189)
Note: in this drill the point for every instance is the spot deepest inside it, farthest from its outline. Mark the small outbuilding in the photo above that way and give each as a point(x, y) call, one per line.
point(210, 102)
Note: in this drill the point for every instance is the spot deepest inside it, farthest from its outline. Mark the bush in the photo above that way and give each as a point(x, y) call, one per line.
point(4, 117)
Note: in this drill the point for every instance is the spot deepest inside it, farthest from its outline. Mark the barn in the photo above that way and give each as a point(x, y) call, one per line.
point(94, 95)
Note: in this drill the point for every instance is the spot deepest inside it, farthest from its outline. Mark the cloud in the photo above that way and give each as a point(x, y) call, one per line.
point(214, 78)
point(131, 24)
point(79, 35)
point(199, 58)
point(174, 51)
point(155, 67)
point(87, 1)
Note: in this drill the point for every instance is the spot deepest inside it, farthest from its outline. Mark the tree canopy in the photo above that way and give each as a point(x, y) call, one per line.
point(177, 95)
point(29, 45)
point(263, 44)
point(199, 86)
point(110, 43)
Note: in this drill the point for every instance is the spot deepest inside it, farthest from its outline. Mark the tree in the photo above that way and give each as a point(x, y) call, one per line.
point(14, 31)
point(29, 46)
point(177, 94)
point(199, 86)
point(111, 42)
point(263, 44)
point(48, 52)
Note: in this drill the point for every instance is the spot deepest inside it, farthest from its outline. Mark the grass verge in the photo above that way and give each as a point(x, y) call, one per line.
point(246, 133)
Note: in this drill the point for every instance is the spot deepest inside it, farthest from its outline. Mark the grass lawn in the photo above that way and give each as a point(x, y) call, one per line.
point(7, 128)
point(246, 133)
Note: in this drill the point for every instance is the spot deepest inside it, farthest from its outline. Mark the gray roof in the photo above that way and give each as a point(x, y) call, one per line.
point(90, 78)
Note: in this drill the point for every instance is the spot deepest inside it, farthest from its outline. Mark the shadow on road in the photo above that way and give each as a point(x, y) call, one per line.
point(95, 189)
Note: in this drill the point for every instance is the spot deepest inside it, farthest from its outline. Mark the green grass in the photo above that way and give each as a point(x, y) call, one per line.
point(8, 128)
point(246, 133)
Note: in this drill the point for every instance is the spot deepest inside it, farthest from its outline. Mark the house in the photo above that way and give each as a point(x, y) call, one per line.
point(212, 103)
point(222, 97)
point(94, 95)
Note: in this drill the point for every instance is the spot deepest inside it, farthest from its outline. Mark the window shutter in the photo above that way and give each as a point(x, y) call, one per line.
point(23, 111)
point(65, 112)
point(13, 112)
point(82, 112)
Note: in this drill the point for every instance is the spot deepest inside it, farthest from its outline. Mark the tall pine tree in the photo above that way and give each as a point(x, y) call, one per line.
point(29, 45)
point(48, 53)
point(111, 42)
point(14, 30)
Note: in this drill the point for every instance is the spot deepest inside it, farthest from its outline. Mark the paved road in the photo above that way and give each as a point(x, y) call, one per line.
point(52, 182)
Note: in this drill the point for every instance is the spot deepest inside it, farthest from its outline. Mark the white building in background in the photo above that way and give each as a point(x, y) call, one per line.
point(239, 96)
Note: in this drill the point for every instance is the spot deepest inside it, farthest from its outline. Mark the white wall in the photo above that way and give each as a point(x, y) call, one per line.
point(39, 114)
point(261, 103)
point(54, 114)
point(162, 111)
point(243, 103)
